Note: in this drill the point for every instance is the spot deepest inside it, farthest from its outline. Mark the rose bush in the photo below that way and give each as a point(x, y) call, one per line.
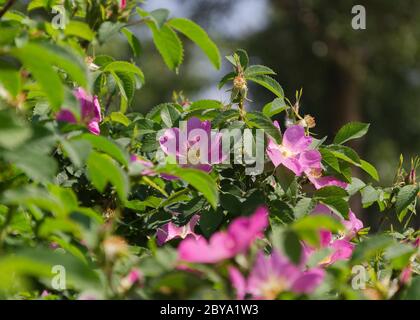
point(100, 202)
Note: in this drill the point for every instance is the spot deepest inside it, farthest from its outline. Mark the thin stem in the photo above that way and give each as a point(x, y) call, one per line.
point(6, 7)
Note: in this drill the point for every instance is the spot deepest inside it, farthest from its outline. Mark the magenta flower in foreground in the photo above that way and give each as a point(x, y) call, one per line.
point(288, 153)
point(171, 231)
point(90, 111)
point(222, 245)
point(123, 4)
point(196, 147)
point(272, 275)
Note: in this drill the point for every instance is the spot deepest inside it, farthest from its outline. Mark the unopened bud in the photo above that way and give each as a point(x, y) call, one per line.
point(135, 276)
point(308, 121)
point(239, 83)
point(114, 246)
point(90, 64)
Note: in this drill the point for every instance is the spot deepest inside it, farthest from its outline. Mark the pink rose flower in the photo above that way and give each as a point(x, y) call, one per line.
point(90, 114)
point(341, 249)
point(311, 161)
point(171, 231)
point(272, 275)
point(222, 245)
point(148, 165)
point(196, 147)
point(288, 153)
point(353, 225)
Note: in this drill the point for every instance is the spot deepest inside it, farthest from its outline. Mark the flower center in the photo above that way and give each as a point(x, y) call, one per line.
point(315, 172)
point(286, 152)
point(273, 286)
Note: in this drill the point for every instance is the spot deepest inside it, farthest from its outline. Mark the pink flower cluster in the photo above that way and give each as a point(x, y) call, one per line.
point(223, 245)
point(295, 153)
point(90, 112)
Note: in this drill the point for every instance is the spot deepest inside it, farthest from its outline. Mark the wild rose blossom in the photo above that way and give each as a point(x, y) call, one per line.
point(311, 161)
point(352, 226)
point(222, 245)
point(196, 147)
point(171, 231)
point(133, 277)
point(341, 248)
point(148, 165)
point(289, 152)
point(294, 154)
point(272, 275)
point(90, 112)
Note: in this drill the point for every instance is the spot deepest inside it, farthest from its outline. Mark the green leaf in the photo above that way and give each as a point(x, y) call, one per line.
point(102, 170)
point(79, 29)
point(124, 66)
point(369, 195)
point(355, 185)
point(369, 248)
point(258, 70)
point(158, 16)
point(240, 55)
point(399, 254)
point(350, 131)
point(228, 77)
point(39, 59)
point(285, 177)
point(292, 246)
point(200, 180)
point(345, 153)
point(210, 221)
point(10, 79)
point(329, 158)
point(13, 130)
point(132, 41)
point(168, 45)
point(277, 106)
point(77, 150)
point(205, 104)
point(370, 169)
point(258, 120)
point(107, 30)
point(337, 205)
point(36, 165)
point(39, 262)
point(120, 118)
point(330, 191)
point(413, 291)
point(200, 37)
point(107, 146)
point(223, 117)
point(164, 112)
point(268, 83)
point(406, 195)
point(304, 207)
point(308, 227)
